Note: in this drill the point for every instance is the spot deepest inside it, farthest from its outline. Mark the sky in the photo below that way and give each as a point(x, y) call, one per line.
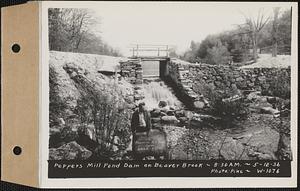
point(171, 23)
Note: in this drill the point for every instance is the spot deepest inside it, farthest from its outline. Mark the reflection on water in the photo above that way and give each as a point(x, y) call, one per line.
point(155, 90)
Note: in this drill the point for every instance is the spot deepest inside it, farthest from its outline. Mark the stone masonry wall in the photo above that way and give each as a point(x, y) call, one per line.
point(187, 75)
point(186, 78)
point(244, 79)
point(178, 73)
point(132, 71)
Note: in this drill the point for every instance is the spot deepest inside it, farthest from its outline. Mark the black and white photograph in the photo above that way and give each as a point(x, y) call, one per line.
point(168, 81)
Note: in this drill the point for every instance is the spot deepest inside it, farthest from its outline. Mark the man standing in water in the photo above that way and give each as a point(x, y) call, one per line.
point(140, 122)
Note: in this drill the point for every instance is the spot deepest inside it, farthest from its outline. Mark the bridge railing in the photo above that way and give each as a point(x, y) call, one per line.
point(148, 50)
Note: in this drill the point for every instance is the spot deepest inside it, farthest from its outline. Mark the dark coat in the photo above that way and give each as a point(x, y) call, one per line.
point(135, 122)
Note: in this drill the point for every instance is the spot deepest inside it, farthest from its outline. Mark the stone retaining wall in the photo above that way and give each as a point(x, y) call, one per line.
point(132, 71)
point(244, 79)
point(188, 76)
point(178, 74)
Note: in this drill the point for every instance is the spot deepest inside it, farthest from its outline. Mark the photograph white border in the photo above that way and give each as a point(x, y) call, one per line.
point(155, 182)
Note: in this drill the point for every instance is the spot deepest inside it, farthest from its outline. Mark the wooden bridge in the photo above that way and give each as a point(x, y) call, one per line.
point(153, 58)
point(149, 51)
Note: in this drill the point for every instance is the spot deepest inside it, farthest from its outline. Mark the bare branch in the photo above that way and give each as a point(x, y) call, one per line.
point(262, 26)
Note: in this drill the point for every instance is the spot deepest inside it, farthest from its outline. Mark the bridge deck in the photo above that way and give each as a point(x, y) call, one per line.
point(148, 50)
point(150, 58)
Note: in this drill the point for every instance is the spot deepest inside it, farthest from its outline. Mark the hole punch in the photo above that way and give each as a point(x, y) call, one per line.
point(16, 48)
point(17, 150)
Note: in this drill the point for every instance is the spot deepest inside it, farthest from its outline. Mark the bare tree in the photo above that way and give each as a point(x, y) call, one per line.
point(78, 23)
point(252, 26)
point(77, 30)
point(275, 32)
point(67, 28)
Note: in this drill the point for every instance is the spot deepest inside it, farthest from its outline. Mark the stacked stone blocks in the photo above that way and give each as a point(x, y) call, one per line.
point(187, 75)
point(132, 72)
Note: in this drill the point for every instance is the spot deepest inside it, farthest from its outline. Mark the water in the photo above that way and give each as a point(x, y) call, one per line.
point(150, 68)
point(155, 90)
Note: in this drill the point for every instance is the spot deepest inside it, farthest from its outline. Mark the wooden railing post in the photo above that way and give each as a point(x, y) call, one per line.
point(167, 50)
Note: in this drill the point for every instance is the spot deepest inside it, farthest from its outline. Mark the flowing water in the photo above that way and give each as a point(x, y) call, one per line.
point(156, 90)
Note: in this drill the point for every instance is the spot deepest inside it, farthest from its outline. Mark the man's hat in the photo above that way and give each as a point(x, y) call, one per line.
point(142, 104)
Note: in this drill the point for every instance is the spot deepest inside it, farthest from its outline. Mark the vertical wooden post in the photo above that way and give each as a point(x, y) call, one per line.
point(167, 49)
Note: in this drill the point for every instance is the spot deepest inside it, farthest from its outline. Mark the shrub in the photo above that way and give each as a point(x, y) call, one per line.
point(107, 111)
point(229, 109)
point(226, 103)
point(109, 118)
point(218, 55)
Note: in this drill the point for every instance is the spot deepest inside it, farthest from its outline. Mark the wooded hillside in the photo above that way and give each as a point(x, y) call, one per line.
point(260, 33)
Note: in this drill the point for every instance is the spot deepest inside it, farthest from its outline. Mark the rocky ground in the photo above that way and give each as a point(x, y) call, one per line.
point(254, 139)
point(194, 137)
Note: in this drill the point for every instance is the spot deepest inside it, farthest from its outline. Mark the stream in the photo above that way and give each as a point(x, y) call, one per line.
point(156, 90)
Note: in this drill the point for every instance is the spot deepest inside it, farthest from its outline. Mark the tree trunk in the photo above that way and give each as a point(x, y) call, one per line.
point(274, 32)
point(274, 48)
point(80, 32)
point(254, 39)
point(255, 52)
point(78, 42)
